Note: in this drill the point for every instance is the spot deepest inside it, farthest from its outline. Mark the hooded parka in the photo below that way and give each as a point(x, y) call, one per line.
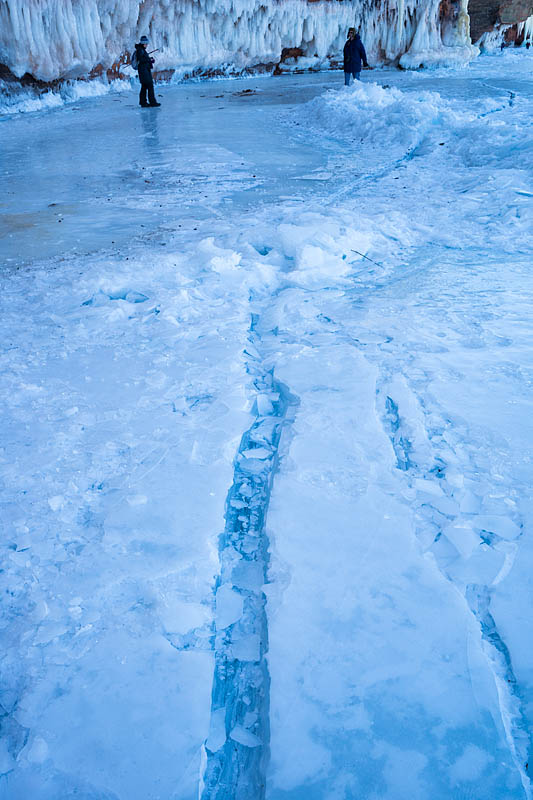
point(354, 54)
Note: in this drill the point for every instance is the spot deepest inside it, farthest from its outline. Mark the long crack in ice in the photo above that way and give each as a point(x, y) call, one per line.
point(237, 749)
point(426, 476)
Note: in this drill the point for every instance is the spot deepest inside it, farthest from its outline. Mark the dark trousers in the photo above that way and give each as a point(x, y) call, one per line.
point(348, 77)
point(147, 87)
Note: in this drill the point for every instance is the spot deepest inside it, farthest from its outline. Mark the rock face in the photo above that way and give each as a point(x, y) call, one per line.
point(485, 15)
point(512, 11)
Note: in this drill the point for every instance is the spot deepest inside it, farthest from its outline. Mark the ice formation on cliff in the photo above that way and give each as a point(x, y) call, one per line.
point(525, 32)
point(494, 39)
point(53, 39)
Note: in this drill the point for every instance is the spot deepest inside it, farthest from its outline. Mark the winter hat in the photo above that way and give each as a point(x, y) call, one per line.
point(144, 39)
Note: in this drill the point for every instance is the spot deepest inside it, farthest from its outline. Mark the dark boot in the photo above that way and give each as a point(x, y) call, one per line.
point(151, 95)
point(142, 96)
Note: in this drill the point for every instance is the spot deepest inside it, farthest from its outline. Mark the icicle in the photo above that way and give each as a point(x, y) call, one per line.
point(59, 38)
point(525, 32)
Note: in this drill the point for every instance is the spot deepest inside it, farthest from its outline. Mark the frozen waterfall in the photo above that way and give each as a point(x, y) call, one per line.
point(52, 39)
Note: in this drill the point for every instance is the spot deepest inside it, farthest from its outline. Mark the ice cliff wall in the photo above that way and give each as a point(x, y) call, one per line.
point(53, 39)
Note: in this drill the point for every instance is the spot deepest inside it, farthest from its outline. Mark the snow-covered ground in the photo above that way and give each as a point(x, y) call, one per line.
point(277, 329)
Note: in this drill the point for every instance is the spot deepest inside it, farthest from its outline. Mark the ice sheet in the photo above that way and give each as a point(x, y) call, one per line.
point(392, 299)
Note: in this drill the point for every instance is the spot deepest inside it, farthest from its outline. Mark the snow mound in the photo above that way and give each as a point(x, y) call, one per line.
point(384, 125)
point(369, 113)
point(322, 250)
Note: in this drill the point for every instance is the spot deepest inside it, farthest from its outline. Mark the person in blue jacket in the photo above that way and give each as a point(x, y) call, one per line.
point(354, 56)
point(144, 64)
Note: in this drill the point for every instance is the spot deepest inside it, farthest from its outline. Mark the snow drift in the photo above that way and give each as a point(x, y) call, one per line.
point(57, 39)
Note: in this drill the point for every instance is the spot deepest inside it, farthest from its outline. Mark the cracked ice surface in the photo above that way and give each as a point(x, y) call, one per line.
point(114, 493)
point(399, 522)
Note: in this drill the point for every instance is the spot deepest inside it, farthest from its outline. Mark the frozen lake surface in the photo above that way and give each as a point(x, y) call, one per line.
point(267, 442)
point(107, 168)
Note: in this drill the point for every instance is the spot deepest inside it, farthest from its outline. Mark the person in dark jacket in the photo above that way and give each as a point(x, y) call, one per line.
point(144, 65)
point(354, 56)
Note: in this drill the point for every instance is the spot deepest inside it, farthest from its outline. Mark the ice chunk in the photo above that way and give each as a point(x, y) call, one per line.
point(470, 503)
point(245, 737)
point(248, 575)
point(23, 542)
point(257, 452)
point(237, 504)
point(264, 406)
point(38, 752)
point(252, 351)
point(445, 552)
point(56, 502)
point(40, 611)
point(229, 605)
point(247, 649)
point(226, 262)
point(264, 431)
point(7, 762)
point(252, 465)
point(49, 631)
point(482, 567)
point(430, 487)
point(179, 616)
point(464, 539)
point(446, 505)
point(217, 730)
point(501, 526)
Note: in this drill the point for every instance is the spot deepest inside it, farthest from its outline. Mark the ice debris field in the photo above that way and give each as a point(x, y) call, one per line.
point(267, 441)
